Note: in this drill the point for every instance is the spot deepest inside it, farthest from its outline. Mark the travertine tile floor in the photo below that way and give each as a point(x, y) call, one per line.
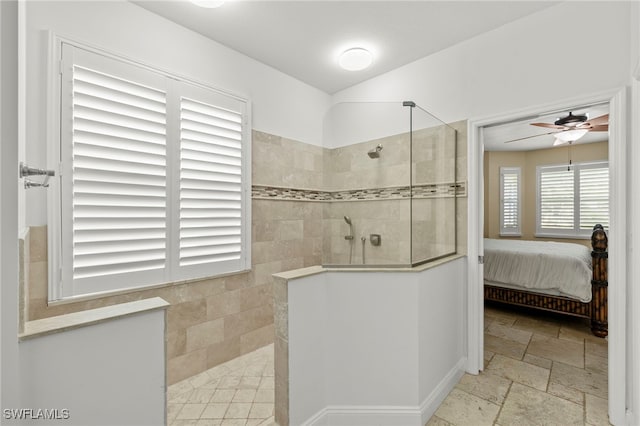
point(540, 369)
point(236, 393)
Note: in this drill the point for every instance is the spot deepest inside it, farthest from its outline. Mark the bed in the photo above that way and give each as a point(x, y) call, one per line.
point(558, 277)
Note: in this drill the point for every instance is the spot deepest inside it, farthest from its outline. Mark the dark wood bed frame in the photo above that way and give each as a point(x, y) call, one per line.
point(596, 310)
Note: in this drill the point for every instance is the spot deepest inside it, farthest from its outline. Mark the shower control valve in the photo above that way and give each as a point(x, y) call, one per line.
point(375, 239)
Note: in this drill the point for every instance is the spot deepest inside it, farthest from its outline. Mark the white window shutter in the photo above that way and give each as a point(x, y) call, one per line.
point(510, 201)
point(119, 168)
point(210, 183)
point(594, 197)
point(556, 199)
point(154, 182)
point(571, 202)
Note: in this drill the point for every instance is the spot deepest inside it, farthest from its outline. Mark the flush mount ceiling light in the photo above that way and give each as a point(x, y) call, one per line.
point(210, 4)
point(569, 136)
point(355, 59)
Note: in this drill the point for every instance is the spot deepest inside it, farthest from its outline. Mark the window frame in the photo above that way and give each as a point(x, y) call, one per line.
point(576, 232)
point(59, 249)
point(510, 232)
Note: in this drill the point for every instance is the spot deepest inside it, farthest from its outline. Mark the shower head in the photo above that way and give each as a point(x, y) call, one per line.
point(375, 153)
point(348, 220)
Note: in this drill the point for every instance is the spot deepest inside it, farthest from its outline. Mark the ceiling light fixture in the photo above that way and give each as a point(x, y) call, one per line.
point(209, 4)
point(355, 59)
point(569, 136)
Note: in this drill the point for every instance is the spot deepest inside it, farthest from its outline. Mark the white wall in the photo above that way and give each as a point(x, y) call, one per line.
point(380, 348)
point(9, 379)
point(282, 105)
point(515, 66)
point(307, 358)
point(442, 319)
point(111, 373)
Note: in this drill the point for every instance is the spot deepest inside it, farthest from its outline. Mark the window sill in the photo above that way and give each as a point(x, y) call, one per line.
point(519, 234)
point(120, 292)
point(45, 326)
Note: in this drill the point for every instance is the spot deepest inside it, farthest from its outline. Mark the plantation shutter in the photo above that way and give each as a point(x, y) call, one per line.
point(510, 201)
point(571, 202)
point(211, 182)
point(556, 199)
point(594, 197)
point(153, 185)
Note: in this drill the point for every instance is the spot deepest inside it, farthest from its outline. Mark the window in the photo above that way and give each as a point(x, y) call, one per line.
point(154, 183)
point(510, 201)
point(572, 199)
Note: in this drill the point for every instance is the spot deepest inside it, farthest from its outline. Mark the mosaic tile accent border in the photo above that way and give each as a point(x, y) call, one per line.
point(435, 190)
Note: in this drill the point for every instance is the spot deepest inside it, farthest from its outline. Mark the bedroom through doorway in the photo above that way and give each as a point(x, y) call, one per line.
point(546, 176)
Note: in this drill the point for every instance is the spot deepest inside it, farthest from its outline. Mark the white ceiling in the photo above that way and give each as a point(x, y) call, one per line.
point(494, 137)
point(303, 38)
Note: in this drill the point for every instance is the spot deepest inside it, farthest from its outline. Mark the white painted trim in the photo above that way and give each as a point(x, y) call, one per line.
point(634, 256)
point(381, 415)
point(441, 391)
point(617, 294)
point(617, 236)
point(475, 223)
point(11, 383)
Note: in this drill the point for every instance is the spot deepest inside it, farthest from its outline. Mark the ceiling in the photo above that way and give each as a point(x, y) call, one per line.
point(494, 137)
point(303, 38)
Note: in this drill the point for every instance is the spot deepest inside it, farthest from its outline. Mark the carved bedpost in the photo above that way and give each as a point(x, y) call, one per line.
point(599, 281)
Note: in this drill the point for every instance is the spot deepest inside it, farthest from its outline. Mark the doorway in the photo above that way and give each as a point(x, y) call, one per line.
point(617, 239)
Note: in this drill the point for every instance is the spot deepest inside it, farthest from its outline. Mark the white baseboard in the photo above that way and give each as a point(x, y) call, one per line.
point(378, 415)
point(435, 398)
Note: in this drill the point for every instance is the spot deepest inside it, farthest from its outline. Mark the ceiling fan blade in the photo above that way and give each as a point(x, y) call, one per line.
point(549, 125)
point(599, 128)
point(529, 137)
point(603, 119)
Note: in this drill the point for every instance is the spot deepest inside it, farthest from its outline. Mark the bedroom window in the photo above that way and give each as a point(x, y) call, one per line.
point(572, 200)
point(154, 183)
point(510, 201)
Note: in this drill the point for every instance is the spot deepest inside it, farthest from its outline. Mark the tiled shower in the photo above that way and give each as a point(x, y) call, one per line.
point(301, 193)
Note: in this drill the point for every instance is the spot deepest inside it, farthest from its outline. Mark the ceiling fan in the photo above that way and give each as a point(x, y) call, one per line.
point(570, 128)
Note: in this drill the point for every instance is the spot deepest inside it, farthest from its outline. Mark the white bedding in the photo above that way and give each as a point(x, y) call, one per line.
point(562, 268)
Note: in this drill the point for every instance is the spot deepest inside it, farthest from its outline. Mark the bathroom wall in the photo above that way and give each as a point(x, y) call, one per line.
point(209, 321)
point(214, 320)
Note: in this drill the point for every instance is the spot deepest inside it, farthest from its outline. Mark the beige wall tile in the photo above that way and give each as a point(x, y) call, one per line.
point(244, 322)
point(205, 334)
point(184, 366)
point(38, 243)
point(223, 351)
point(176, 343)
point(223, 304)
point(257, 338)
point(185, 315)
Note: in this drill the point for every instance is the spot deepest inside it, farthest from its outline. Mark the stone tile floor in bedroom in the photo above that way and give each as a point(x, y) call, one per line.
point(540, 369)
point(236, 393)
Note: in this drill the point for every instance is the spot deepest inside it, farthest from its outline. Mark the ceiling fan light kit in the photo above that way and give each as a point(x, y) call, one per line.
point(570, 135)
point(570, 128)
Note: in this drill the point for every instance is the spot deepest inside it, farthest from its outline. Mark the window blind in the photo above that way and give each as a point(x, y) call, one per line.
point(119, 168)
point(594, 197)
point(510, 200)
point(571, 202)
point(210, 183)
point(556, 199)
point(154, 185)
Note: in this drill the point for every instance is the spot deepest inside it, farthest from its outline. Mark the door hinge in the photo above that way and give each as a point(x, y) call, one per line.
point(481, 260)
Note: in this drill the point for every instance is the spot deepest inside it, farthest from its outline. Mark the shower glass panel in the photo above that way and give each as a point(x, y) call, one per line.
point(434, 186)
point(372, 214)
